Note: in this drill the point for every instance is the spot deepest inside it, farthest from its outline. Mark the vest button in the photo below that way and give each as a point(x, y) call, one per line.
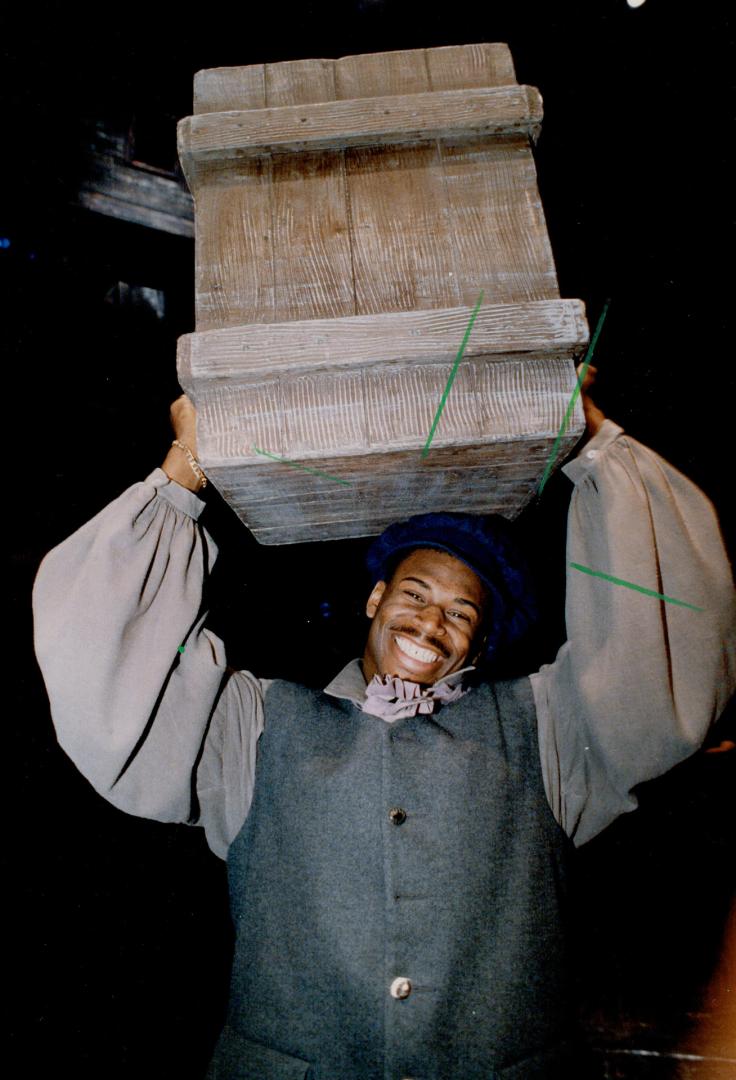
point(400, 988)
point(397, 816)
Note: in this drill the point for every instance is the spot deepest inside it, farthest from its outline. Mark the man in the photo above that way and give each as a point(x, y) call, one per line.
point(396, 843)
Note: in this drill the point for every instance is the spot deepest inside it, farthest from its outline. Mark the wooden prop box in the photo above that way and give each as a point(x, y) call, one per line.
point(348, 214)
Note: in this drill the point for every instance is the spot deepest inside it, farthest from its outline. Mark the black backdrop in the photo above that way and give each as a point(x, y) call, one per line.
point(118, 926)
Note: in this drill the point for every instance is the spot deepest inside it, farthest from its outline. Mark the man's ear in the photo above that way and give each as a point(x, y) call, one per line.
point(375, 598)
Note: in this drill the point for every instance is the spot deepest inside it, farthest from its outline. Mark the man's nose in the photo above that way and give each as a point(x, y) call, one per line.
point(432, 619)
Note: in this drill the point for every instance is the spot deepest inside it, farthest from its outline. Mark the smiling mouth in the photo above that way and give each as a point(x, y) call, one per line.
point(416, 652)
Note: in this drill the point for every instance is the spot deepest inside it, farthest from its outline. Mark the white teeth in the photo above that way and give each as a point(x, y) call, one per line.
point(412, 650)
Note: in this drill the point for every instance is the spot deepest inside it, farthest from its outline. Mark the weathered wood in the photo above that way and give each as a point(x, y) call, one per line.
point(390, 338)
point(355, 398)
point(137, 194)
point(362, 122)
point(481, 479)
point(402, 245)
point(496, 221)
point(450, 67)
point(349, 213)
point(233, 247)
point(313, 274)
point(460, 67)
point(226, 88)
point(311, 244)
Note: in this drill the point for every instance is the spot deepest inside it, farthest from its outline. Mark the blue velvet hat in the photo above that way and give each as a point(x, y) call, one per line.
point(485, 543)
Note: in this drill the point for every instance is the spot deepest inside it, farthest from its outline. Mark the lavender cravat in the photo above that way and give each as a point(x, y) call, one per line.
point(392, 698)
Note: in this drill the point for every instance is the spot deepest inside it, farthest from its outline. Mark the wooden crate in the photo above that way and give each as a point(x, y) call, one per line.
point(348, 214)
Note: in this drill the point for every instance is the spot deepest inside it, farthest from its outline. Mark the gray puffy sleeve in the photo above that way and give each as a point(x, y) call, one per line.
point(639, 680)
point(140, 693)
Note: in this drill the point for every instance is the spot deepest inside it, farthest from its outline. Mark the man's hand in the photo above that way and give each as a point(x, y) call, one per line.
point(183, 417)
point(593, 415)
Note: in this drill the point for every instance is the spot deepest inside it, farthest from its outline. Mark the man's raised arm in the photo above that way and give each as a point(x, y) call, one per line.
point(640, 679)
point(138, 688)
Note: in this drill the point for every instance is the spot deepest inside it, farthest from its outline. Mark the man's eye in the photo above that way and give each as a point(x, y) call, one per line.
point(413, 595)
point(459, 615)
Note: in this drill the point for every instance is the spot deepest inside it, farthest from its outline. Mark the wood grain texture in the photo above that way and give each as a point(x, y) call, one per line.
point(353, 414)
point(349, 212)
point(417, 117)
point(460, 67)
point(403, 251)
point(234, 258)
point(496, 220)
point(374, 75)
point(364, 418)
point(392, 338)
point(312, 259)
point(452, 67)
point(313, 270)
point(133, 193)
point(299, 82)
point(284, 505)
point(225, 88)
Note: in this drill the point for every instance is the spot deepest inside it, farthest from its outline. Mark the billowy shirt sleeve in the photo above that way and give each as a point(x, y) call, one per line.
point(159, 732)
point(639, 680)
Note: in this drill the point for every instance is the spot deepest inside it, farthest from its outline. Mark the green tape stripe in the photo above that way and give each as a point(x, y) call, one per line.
point(574, 398)
point(450, 381)
point(631, 585)
point(296, 465)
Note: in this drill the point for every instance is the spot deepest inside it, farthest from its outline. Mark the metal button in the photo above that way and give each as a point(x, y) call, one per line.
point(400, 988)
point(397, 816)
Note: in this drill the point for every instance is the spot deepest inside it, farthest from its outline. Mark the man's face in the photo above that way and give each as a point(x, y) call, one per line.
point(426, 619)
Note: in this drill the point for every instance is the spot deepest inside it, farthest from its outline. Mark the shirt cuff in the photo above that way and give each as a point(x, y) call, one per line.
point(607, 434)
point(180, 497)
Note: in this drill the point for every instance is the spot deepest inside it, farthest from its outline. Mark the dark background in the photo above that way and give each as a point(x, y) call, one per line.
point(119, 926)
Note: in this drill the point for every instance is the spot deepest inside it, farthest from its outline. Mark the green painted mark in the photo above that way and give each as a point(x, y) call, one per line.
point(574, 398)
point(450, 381)
point(296, 465)
point(182, 648)
point(631, 585)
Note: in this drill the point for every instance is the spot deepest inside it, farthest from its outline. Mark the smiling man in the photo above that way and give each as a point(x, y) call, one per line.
point(396, 843)
point(425, 620)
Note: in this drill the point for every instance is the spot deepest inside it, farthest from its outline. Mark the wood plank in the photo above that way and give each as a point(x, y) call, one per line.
point(225, 88)
point(381, 411)
point(403, 249)
point(234, 251)
point(497, 222)
point(402, 253)
point(130, 193)
point(460, 67)
point(401, 402)
point(401, 71)
point(255, 351)
point(300, 82)
point(137, 214)
point(313, 271)
point(284, 505)
point(452, 67)
point(413, 118)
point(326, 413)
point(235, 419)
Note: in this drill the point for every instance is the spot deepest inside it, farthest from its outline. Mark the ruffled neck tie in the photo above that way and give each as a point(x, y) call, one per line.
point(392, 698)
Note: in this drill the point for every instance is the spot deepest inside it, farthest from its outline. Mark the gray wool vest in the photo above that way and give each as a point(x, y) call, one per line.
point(397, 895)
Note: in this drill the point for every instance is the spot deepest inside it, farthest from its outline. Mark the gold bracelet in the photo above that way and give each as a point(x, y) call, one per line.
point(193, 463)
